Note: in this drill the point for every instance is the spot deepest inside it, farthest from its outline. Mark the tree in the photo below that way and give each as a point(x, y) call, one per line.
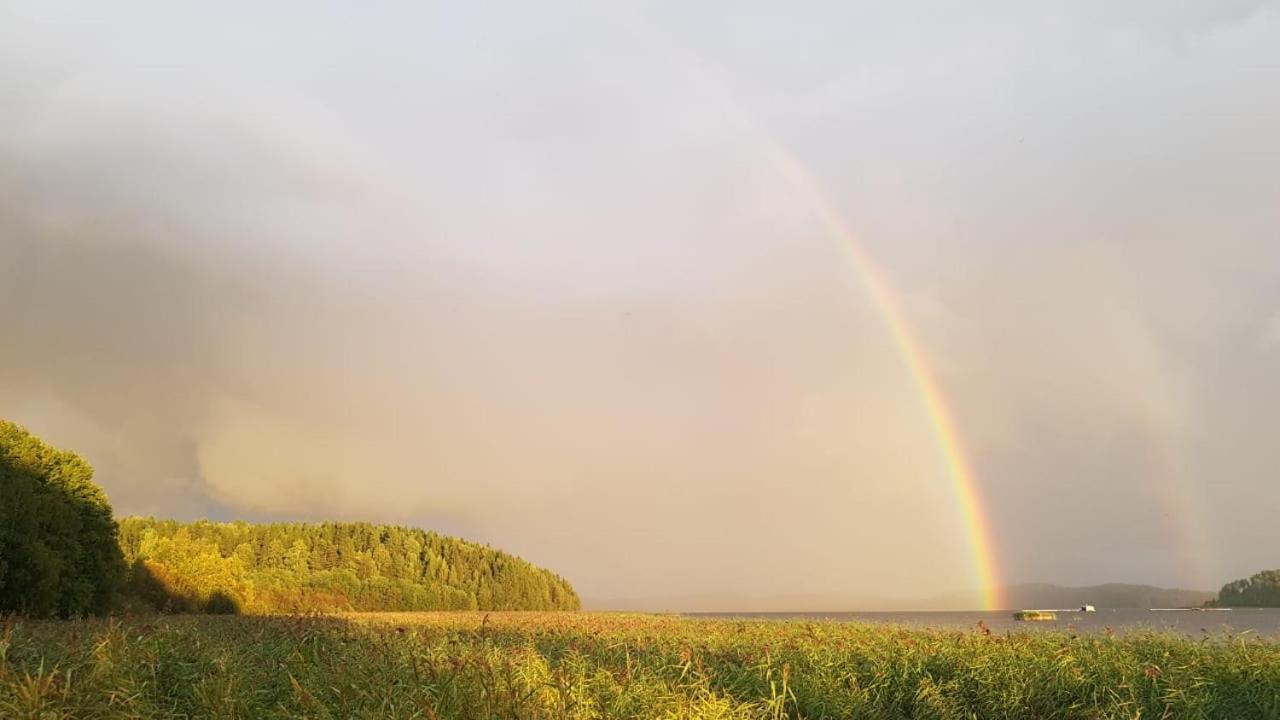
point(296, 557)
point(1260, 590)
point(59, 553)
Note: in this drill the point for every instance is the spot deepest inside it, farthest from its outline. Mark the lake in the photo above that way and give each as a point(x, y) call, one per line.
point(1259, 621)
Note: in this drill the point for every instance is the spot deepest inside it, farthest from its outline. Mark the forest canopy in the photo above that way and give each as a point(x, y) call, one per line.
point(58, 552)
point(300, 567)
point(1260, 590)
point(63, 554)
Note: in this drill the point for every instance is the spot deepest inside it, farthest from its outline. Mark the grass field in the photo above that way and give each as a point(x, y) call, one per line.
point(582, 665)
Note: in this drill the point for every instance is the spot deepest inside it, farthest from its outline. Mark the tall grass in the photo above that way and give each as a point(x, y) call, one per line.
point(567, 665)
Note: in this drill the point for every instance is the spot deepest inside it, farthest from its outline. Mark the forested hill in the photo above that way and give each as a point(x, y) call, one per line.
point(1260, 590)
point(292, 567)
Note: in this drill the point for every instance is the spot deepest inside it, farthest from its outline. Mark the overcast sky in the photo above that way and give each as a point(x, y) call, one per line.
point(525, 272)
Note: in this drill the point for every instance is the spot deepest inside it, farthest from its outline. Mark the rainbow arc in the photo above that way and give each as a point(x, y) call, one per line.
point(963, 484)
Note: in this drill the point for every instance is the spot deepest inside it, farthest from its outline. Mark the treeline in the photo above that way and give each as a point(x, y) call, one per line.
point(1260, 590)
point(298, 567)
point(63, 554)
point(1108, 595)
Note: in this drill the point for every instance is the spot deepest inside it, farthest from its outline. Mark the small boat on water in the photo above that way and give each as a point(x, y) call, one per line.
point(1035, 615)
point(1051, 614)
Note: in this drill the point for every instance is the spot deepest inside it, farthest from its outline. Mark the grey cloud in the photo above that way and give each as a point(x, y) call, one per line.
point(523, 275)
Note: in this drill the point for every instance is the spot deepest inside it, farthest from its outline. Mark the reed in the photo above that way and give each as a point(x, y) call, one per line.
point(583, 665)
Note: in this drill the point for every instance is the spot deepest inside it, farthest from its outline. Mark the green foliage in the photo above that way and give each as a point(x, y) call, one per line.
point(1261, 590)
point(538, 666)
point(58, 552)
point(298, 567)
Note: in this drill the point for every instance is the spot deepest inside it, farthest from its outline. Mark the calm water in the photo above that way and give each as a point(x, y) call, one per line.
point(1260, 621)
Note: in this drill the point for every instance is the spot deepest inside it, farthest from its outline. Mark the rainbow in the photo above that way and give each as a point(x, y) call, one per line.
point(1171, 484)
point(963, 484)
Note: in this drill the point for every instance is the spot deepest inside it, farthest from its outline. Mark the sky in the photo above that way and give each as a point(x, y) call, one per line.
point(529, 273)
